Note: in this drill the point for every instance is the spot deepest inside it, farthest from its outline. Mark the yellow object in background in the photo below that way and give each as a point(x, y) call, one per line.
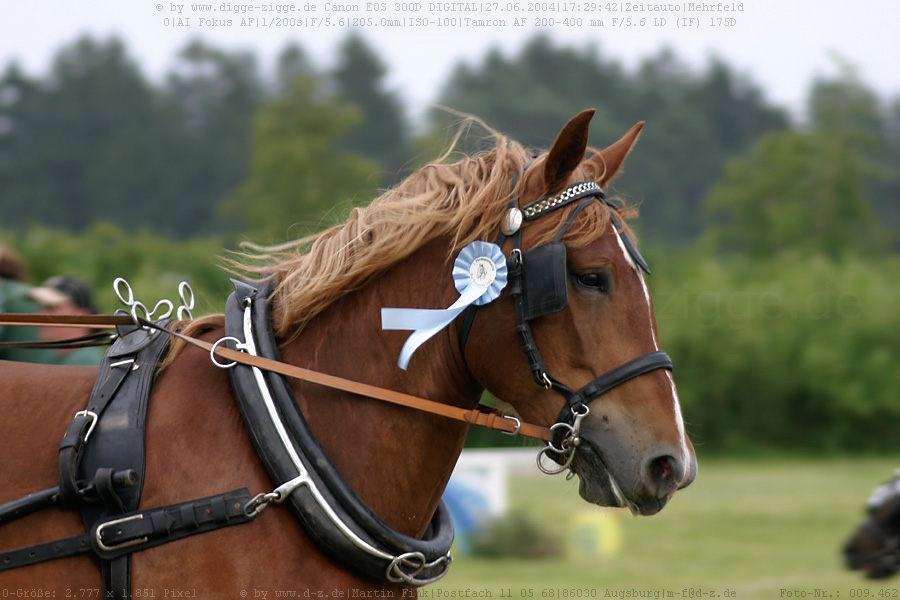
point(595, 533)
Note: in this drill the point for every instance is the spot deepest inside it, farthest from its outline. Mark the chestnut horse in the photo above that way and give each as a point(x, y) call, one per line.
point(629, 449)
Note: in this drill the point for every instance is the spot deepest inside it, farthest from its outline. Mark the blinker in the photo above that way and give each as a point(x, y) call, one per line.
point(544, 280)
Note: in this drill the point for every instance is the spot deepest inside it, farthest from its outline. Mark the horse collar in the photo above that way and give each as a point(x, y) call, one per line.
point(318, 495)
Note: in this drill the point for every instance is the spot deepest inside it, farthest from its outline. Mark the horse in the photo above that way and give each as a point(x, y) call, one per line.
point(591, 368)
point(874, 548)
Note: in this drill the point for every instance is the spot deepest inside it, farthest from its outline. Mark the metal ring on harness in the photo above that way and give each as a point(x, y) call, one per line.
point(212, 351)
point(569, 443)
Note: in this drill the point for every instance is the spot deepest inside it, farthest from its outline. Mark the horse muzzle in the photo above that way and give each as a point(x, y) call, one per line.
point(607, 480)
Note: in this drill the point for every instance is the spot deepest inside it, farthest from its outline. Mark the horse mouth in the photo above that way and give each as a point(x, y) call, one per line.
point(598, 485)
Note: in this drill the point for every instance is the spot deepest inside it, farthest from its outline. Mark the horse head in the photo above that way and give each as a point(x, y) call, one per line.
point(874, 548)
point(605, 382)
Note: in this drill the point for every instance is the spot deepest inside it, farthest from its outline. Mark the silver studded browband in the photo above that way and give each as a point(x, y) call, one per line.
point(548, 204)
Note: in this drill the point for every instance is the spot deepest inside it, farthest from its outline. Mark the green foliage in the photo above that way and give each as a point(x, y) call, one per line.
point(94, 140)
point(297, 174)
point(793, 192)
point(788, 353)
point(154, 266)
point(695, 122)
point(515, 536)
point(810, 191)
point(381, 135)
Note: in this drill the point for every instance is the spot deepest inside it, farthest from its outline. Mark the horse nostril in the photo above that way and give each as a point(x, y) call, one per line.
point(663, 474)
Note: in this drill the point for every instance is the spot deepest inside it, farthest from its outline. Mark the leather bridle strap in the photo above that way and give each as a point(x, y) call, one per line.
point(482, 416)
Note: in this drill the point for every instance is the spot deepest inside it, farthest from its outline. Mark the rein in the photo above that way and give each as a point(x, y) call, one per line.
point(482, 416)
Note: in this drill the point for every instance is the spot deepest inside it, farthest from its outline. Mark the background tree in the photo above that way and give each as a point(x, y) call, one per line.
point(529, 95)
point(84, 142)
point(214, 95)
point(694, 123)
point(292, 62)
point(808, 191)
point(844, 109)
point(95, 140)
point(382, 133)
point(298, 175)
point(793, 192)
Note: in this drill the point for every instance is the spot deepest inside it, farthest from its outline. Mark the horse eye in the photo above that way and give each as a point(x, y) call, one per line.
point(594, 280)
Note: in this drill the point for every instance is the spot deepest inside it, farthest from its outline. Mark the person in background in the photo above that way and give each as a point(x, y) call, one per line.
point(14, 299)
point(65, 295)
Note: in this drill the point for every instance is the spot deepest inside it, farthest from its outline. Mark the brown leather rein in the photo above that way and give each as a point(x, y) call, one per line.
point(483, 416)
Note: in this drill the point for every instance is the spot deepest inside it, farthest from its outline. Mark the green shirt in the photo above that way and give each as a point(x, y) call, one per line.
point(14, 299)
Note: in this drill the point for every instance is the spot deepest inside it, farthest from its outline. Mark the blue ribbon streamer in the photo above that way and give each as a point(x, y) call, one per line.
point(479, 274)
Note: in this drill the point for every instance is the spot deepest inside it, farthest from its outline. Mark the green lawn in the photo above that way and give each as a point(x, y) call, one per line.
point(745, 529)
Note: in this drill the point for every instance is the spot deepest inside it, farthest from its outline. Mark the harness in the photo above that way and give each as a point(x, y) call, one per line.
point(101, 455)
point(101, 473)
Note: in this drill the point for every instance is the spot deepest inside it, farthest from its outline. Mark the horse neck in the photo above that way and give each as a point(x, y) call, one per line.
point(398, 460)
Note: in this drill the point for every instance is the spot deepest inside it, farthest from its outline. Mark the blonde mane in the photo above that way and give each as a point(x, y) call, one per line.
point(463, 201)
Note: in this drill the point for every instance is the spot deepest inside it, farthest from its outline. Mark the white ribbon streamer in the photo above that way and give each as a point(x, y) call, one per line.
point(479, 274)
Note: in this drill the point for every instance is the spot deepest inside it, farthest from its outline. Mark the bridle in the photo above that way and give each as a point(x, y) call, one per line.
point(538, 285)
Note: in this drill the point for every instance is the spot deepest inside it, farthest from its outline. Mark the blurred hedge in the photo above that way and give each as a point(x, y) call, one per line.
point(153, 265)
point(792, 352)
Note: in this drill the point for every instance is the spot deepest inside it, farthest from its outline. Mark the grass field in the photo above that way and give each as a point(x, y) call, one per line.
point(745, 529)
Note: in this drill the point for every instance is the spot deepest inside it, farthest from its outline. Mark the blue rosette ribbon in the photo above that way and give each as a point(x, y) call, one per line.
point(479, 274)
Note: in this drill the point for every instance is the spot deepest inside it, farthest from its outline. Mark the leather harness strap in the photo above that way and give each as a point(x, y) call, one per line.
point(482, 416)
point(120, 535)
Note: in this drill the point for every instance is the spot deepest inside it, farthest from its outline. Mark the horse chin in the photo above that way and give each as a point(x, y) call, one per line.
point(599, 486)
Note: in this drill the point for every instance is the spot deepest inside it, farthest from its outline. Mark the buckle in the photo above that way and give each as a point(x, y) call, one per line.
point(99, 539)
point(93, 417)
point(516, 421)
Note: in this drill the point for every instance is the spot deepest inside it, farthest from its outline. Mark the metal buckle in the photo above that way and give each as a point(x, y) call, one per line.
point(93, 416)
point(518, 425)
point(546, 379)
point(515, 256)
point(127, 544)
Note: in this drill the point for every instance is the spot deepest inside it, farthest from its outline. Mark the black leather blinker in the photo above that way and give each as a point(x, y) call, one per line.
point(544, 280)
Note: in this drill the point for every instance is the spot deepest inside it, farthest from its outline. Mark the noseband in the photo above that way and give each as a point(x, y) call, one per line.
point(538, 285)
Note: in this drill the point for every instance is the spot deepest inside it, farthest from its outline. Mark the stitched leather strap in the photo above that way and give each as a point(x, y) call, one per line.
point(144, 529)
point(112, 538)
point(508, 425)
point(31, 555)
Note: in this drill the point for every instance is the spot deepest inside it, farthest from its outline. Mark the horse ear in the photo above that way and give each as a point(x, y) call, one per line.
point(608, 162)
point(567, 151)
